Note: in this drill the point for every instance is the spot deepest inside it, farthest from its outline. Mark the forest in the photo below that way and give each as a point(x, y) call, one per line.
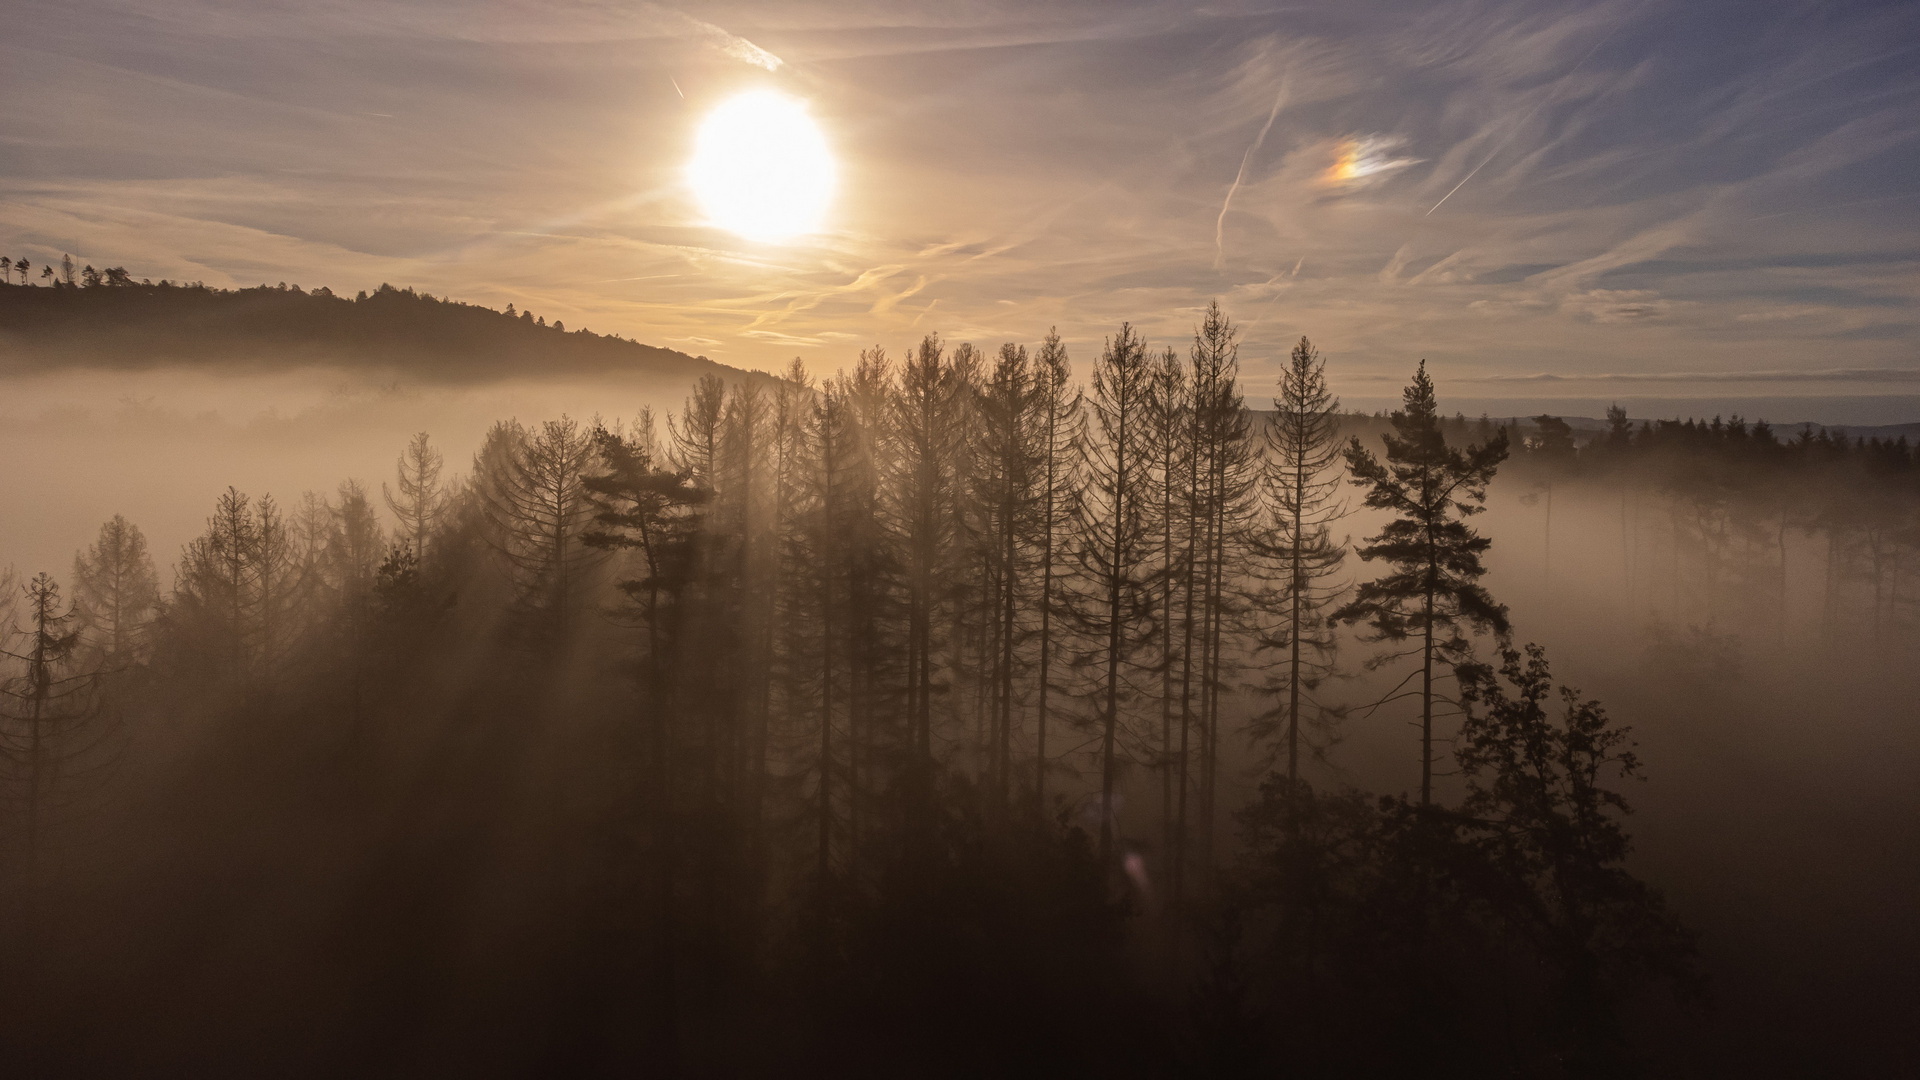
point(963, 713)
point(106, 318)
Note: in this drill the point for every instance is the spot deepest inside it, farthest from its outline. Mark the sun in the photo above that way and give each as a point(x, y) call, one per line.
point(761, 168)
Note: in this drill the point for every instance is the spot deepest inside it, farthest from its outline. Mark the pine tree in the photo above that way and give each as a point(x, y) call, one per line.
point(1433, 589)
point(1300, 482)
point(640, 505)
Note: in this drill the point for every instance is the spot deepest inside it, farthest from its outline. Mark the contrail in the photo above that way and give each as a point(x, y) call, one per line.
point(676, 87)
point(1515, 130)
point(1219, 225)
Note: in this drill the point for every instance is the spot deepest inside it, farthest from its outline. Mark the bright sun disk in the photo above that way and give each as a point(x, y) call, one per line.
point(761, 168)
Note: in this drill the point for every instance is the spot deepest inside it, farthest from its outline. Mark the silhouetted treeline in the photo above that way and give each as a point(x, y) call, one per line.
point(886, 724)
point(109, 320)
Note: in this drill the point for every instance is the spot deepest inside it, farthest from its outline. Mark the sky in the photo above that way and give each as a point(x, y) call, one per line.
point(1647, 199)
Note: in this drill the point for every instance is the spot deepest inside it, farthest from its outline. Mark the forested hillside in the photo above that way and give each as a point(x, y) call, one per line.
point(963, 713)
point(109, 320)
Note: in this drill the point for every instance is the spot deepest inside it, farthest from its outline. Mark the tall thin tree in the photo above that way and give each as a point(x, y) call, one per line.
point(1301, 484)
point(1433, 589)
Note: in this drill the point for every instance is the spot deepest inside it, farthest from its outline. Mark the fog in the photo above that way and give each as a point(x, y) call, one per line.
point(436, 853)
point(159, 445)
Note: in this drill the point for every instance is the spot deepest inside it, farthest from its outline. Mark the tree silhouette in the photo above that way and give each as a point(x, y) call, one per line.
point(1224, 486)
point(420, 502)
point(116, 594)
point(1061, 423)
point(640, 505)
point(49, 723)
point(532, 494)
point(1547, 821)
point(1170, 423)
point(1433, 589)
point(1300, 485)
point(1551, 453)
point(1113, 605)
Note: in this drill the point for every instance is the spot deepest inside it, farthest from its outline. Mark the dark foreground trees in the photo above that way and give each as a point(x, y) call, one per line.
point(711, 758)
point(1498, 937)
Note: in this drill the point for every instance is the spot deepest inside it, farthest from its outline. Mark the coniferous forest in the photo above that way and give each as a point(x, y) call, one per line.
point(968, 712)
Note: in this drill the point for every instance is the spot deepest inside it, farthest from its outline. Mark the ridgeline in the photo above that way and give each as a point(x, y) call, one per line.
point(127, 326)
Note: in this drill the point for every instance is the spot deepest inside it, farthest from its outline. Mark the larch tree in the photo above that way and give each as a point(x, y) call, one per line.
point(1225, 475)
point(1432, 591)
point(926, 435)
point(696, 436)
point(532, 490)
point(1299, 556)
point(1113, 605)
point(1060, 426)
point(213, 592)
point(116, 594)
point(1170, 420)
point(1004, 488)
point(417, 498)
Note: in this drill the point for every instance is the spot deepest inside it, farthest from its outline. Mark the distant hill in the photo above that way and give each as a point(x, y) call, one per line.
point(398, 331)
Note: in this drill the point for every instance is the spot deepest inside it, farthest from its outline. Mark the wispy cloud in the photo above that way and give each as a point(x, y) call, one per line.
point(1605, 188)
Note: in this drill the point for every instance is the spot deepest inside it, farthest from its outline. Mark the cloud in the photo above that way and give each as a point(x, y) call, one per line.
point(1013, 167)
point(1364, 159)
point(730, 45)
point(1616, 305)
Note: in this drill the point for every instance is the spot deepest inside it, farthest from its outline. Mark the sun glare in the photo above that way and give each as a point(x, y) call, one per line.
point(761, 168)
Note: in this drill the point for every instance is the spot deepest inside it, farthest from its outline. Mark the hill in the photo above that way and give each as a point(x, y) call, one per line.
point(398, 331)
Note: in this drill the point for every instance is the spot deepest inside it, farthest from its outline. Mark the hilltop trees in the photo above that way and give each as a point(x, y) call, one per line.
point(1433, 591)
